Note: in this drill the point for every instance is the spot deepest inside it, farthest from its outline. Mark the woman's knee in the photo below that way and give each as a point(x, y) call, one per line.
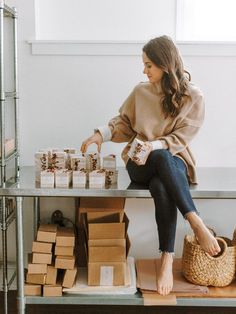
point(157, 188)
point(159, 155)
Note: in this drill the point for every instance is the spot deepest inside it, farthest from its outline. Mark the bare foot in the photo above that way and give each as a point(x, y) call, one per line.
point(165, 275)
point(205, 238)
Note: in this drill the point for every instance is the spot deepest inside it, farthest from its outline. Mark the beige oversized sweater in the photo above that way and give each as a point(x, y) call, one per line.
point(141, 116)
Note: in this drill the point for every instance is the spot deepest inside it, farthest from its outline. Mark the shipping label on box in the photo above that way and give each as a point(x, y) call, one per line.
point(51, 275)
point(69, 278)
point(32, 290)
point(47, 233)
point(65, 237)
point(41, 247)
point(63, 178)
point(106, 273)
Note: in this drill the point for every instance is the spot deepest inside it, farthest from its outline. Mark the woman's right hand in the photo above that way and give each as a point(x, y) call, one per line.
point(95, 138)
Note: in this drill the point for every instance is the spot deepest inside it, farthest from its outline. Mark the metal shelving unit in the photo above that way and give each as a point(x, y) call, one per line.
point(9, 162)
point(214, 183)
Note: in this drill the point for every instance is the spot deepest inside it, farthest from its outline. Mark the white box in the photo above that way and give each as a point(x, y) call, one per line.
point(97, 178)
point(109, 162)
point(111, 176)
point(79, 179)
point(47, 179)
point(41, 163)
point(93, 161)
point(58, 160)
point(77, 162)
point(63, 178)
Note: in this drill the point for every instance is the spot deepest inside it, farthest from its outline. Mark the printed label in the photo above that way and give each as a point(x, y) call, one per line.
point(106, 275)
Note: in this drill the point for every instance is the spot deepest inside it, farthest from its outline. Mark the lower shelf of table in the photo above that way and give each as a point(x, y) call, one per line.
point(126, 300)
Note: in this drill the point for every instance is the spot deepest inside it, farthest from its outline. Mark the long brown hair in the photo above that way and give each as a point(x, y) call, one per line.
point(164, 54)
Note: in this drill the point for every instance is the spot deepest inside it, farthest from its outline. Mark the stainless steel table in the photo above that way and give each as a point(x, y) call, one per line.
point(214, 183)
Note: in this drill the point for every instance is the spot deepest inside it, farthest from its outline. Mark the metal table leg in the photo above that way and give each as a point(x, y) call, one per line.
point(36, 215)
point(20, 256)
point(4, 254)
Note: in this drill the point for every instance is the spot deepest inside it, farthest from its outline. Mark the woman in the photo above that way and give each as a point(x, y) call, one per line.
point(165, 114)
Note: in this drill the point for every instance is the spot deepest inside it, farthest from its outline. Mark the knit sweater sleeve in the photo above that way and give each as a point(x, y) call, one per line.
point(121, 125)
point(186, 127)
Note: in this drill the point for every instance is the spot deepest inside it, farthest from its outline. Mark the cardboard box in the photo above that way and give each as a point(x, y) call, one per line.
point(69, 278)
point(37, 268)
point(65, 237)
point(51, 276)
point(47, 233)
point(32, 290)
point(65, 262)
point(42, 258)
point(64, 250)
point(107, 242)
point(94, 204)
point(105, 216)
point(36, 278)
point(41, 247)
point(102, 202)
point(112, 230)
point(106, 253)
point(52, 290)
point(106, 273)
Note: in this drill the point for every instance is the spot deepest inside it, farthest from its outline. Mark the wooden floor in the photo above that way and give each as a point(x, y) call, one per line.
point(100, 309)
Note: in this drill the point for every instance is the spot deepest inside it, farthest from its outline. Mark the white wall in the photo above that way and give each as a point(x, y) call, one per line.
point(103, 19)
point(62, 98)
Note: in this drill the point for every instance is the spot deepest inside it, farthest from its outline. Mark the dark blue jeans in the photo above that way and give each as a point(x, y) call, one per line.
point(166, 177)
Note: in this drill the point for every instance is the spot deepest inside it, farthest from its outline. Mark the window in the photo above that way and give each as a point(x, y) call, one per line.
point(206, 20)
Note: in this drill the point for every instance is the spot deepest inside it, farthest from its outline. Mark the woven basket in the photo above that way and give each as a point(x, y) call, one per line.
point(202, 269)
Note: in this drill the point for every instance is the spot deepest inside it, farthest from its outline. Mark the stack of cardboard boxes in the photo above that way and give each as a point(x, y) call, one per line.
point(52, 262)
point(105, 243)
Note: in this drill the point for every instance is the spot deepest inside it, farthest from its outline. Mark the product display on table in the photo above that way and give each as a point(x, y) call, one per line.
point(66, 168)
